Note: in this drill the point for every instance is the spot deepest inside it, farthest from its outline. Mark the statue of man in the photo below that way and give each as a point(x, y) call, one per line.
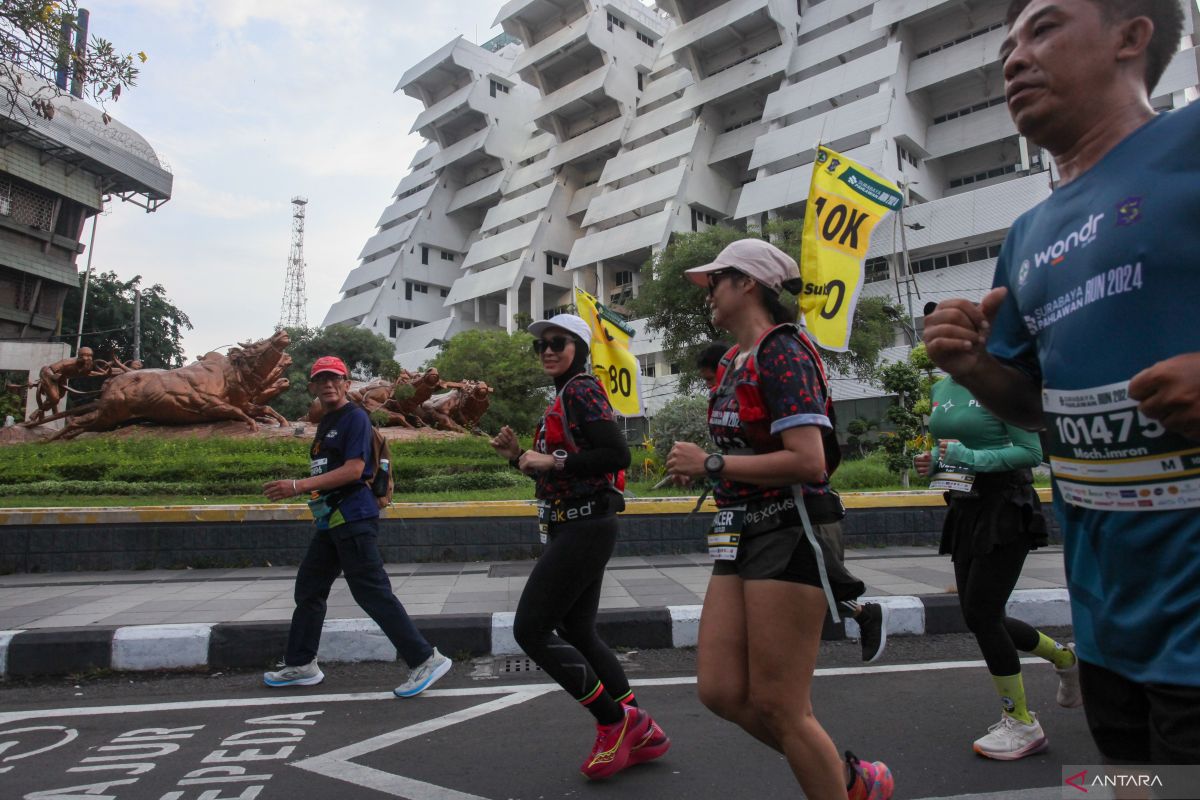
point(52, 383)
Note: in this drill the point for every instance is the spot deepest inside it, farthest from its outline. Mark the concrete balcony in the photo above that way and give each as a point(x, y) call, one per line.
point(534, 173)
point(390, 239)
point(791, 187)
point(763, 68)
point(857, 117)
point(510, 241)
point(1182, 73)
point(587, 143)
point(488, 281)
point(667, 85)
point(369, 273)
point(836, 82)
point(969, 216)
point(588, 28)
point(972, 130)
point(514, 208)
point(472, 98)
point(736, 142)
point(577, 97)
point(889, 12)
point(405, 206)
point(479, 145)
point(650, 191)
point(647, 232)
point(960, 59)
point(660, 118)
point(417, 177)
point(482, 191)
point(720, 21)
point(830, 46)
point(352, 309)
point(819, 15)
point(971, 281)
point(582, 199)
point(651, 154)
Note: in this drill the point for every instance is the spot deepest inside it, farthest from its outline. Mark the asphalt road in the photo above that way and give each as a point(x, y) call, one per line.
point(490, 733)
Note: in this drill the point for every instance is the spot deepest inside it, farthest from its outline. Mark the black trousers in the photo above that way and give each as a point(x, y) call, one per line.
point(984, 585)
point(556, 616)
point(1140, 723)
point(353, 549)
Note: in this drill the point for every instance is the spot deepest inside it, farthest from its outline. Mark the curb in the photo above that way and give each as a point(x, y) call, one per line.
point(221, 645)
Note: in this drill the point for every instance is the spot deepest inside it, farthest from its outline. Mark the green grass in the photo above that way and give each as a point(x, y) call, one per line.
point(152, 471)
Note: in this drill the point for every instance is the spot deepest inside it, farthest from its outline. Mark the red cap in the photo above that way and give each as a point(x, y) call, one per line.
point(329, 364)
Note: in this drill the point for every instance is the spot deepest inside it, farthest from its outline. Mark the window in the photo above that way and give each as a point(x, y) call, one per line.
point(647, 365)
point(424, 254)
point(995, 172)
point(743, 123)
point(960, 39)
point(422, 288)
point(408, 290)
point(623, 277)
point(444, 292)
point(930, 263)
point(644, 39)
point(875, 269)
point(397, 325)
point(674, 367)
point(553, 261)
point(639, 76)
point(903, 155)
point(447, 256)
point(26, 206)
point(699, 217)
point(615, 22)
point(496, 87)
point(962, 112)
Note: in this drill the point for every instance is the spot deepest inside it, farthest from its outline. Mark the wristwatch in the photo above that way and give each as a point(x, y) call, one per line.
point(560, 459)
point(714, 465)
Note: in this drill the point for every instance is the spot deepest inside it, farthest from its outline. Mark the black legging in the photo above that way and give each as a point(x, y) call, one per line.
point(984, 585)
point(556, 616)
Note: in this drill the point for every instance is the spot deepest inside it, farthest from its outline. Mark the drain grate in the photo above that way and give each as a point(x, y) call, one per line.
point(510, 665)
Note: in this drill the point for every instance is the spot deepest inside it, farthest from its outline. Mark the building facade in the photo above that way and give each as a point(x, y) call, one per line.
point(597, 129)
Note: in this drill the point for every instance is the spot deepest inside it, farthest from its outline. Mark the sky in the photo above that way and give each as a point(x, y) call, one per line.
point(250, 104)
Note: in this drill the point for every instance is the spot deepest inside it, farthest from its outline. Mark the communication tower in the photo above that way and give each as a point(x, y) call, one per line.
point(293, 313)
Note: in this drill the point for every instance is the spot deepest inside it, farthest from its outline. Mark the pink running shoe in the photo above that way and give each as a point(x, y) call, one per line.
point(614, 743)
point(653, 745)
point(869, 780)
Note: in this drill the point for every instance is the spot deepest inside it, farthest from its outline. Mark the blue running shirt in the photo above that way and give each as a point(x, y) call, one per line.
point(1104, 281)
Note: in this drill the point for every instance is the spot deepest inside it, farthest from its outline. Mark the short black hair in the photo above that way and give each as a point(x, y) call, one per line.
point(712, 353)
point(1167, 16)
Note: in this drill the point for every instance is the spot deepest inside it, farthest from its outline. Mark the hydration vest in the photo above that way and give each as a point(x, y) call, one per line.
point(753, 413)
point(555, 431)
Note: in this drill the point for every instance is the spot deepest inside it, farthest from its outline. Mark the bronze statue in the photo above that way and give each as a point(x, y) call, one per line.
point(51, 384)
point(409, 402)
point(459, 409)
point(234, 386)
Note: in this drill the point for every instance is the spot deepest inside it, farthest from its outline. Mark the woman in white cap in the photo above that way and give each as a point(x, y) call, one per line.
point(577, 459)
point(773, 576)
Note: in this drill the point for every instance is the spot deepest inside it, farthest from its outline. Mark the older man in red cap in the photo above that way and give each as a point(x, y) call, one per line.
point(345, 541)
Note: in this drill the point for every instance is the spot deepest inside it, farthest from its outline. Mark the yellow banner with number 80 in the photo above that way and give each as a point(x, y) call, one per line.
point(614, 365)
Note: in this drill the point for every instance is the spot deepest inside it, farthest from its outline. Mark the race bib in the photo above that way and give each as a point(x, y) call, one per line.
point(725, 532)
point(317, 466)
point(949, 477)
point(1107, 455)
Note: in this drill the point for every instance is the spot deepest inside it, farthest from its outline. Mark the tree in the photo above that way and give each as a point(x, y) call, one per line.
point(32, 43)
point(681, 419)
point(677, 308)
point(506, 363)
point(108, 323)
point(365, 352)
point(902, 379)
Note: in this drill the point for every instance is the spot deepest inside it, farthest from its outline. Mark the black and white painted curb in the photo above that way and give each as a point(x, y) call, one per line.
point(61, 651)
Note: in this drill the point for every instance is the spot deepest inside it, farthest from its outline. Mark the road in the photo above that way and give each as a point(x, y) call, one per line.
point(489, 733)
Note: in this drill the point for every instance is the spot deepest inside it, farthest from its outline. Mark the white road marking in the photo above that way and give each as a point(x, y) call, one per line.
point(471, 691)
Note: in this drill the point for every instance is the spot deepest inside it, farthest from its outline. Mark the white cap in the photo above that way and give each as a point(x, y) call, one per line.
point(568, 322)
point(757, 258)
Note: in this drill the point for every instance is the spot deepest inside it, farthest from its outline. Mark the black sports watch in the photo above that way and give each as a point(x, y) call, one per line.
point(714, 465)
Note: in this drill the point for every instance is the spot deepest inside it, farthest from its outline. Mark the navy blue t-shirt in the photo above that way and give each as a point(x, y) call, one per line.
point(1104, 280)
point(343, 435)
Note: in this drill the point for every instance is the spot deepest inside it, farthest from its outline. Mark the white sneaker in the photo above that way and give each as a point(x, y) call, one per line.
point(1010, 739)
point(424, 675)
point(1069, 694)
point(305, 675)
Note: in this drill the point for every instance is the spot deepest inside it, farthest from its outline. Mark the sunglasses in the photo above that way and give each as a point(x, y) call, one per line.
point(715, 278)
point(557, 344)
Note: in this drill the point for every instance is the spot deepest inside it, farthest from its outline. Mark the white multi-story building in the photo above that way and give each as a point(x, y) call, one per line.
point(600, 128)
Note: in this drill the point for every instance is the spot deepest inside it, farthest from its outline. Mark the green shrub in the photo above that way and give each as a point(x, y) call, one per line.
point(684, 419)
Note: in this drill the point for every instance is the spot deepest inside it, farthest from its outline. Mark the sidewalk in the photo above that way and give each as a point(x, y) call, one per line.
point(68, 622)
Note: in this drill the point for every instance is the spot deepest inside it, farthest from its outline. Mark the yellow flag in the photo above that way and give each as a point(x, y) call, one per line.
point(845, 202)
point(614, 365)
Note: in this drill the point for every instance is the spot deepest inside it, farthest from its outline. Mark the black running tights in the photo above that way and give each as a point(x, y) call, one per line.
point(556, 617)
point(984, 585)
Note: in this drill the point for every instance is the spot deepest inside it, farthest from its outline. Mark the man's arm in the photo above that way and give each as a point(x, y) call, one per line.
point(956, 336)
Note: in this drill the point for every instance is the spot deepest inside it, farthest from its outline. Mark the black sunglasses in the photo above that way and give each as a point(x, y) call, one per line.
point(557, 344)
point(714, 278)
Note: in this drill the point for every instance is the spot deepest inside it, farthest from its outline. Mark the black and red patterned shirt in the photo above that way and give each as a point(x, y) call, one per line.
point(791, 387)
point(588, 410)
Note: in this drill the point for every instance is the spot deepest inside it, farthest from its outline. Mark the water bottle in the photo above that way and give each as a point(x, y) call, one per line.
point(379, 484)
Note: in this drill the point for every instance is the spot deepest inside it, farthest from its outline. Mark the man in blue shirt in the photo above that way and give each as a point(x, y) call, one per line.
point(347, 527)
point(1091, 333)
